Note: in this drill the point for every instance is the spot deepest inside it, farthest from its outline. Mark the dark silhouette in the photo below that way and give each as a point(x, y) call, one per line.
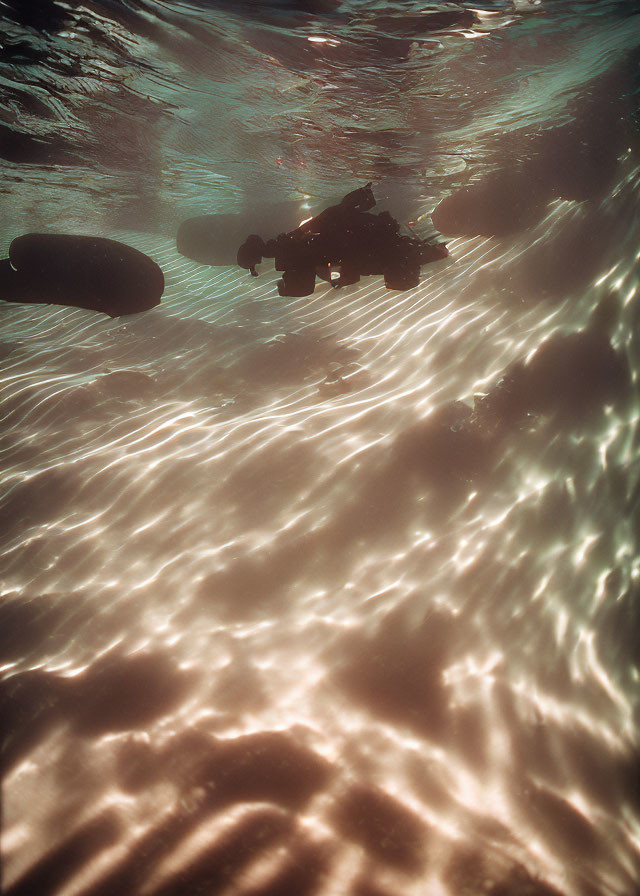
point(214, 239)
point(340, 245)
point(385, 827)
point(80, 271)
point(576, 161)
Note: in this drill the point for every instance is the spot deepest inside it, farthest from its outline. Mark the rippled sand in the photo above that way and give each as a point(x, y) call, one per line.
point(275, 623)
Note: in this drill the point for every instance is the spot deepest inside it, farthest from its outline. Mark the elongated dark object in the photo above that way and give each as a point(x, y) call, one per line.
point(81, 272)
point(214, 239)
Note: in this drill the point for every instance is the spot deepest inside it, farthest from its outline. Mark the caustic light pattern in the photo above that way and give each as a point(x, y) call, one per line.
point(336, 594)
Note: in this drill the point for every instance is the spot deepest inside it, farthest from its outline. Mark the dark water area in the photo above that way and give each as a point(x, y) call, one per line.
point(337, 594)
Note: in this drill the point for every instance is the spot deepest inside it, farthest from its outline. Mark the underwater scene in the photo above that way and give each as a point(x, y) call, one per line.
point(320, 448)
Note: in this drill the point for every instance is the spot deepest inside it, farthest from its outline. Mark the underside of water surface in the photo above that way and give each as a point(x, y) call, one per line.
point(336, 595)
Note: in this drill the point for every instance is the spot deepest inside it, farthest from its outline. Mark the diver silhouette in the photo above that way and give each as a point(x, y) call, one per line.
point(341, 244)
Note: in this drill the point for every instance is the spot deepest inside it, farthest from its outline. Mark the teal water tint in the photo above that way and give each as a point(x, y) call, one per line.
point(153, 113)
point(337, 594)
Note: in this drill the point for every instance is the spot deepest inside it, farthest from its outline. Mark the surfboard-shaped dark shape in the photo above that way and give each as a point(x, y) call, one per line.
point(215, 239)
point(81, 272)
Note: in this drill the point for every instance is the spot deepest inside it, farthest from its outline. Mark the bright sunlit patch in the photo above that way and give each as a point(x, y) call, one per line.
point(581, 552)
point(561, 626)
point(608, 274)
point(473, 667)
point(15, 837)
point(316, 39)
point(473, 35)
